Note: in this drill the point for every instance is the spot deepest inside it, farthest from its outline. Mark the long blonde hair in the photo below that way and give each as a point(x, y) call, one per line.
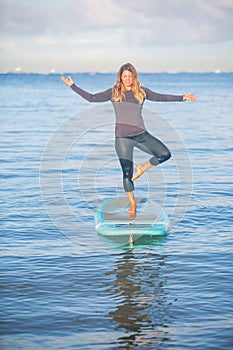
point(119, 88)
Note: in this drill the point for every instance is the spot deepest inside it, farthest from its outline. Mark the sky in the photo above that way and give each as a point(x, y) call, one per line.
point(60, 36)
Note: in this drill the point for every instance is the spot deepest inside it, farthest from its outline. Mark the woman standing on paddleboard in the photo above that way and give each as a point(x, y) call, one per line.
point(128, 96)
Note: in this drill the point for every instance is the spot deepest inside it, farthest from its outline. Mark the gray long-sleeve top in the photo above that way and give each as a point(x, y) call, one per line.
point(129, 121)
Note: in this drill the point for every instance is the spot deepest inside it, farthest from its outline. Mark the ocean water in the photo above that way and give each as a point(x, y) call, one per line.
point(65, 287)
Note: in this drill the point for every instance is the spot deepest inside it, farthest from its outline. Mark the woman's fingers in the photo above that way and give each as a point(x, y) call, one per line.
point(190, 97)
point(68, 81)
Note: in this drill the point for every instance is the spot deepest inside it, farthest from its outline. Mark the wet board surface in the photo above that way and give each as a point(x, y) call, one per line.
point(112, 218)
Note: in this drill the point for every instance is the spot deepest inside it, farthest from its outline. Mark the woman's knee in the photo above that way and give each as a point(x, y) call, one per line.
point(128, 173)
point(127, 168)
point(167, 155)
point(163, 157)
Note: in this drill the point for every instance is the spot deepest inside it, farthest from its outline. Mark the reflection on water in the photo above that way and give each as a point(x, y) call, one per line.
point(142, 310)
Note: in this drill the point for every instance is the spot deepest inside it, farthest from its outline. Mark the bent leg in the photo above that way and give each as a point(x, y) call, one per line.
point(155, 147)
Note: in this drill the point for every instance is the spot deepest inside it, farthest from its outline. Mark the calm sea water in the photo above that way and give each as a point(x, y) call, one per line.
point(62, 285)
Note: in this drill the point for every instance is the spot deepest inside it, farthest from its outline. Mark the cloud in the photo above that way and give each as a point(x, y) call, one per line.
point(157, 34)
point(58, 17)
point(141, 23)
point(180, 21)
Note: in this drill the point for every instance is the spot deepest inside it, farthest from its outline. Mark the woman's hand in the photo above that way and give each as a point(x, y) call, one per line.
point(189, 97)
point(68, 81)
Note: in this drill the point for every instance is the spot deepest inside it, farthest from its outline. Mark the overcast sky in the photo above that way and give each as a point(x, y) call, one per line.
point(100, 35)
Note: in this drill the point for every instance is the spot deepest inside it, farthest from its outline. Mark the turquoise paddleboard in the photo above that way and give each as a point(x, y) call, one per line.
point(113, 219)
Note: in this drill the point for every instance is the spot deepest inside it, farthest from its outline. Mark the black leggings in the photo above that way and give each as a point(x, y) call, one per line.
point(145, 142)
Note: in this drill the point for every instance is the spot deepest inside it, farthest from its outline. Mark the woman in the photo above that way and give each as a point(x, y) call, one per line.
point(128, 96)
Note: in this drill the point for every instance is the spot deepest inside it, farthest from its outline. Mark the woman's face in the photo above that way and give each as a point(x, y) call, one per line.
point(127, 79)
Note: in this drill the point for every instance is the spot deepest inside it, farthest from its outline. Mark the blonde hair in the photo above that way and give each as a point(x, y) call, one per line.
point(119, 88)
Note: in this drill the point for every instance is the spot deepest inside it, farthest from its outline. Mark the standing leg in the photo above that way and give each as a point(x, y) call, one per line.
point(124, 150)
point(132, 202)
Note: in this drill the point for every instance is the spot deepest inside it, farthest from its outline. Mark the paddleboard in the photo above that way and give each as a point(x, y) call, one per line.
point(113, 219)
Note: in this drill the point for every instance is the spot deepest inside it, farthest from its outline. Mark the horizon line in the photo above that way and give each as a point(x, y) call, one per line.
point(54, 72)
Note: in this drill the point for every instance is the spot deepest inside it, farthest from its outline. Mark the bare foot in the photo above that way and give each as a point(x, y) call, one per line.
point(139, 172)
point(132, 216)
point(132, 208)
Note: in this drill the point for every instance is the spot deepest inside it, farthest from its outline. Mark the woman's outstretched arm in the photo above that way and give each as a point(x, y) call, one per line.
point(154, 96)
point(102, 96)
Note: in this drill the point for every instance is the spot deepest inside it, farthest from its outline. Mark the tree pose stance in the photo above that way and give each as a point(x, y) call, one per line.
point(127, 96)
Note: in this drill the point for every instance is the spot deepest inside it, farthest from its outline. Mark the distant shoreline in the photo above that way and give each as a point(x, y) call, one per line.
point(114, 73)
